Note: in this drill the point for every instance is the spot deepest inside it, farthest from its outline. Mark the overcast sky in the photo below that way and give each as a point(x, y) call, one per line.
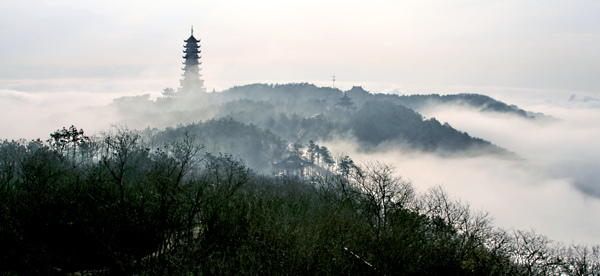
point(91, 45)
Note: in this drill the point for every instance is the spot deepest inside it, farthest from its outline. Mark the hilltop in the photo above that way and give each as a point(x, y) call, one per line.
point(297, 113)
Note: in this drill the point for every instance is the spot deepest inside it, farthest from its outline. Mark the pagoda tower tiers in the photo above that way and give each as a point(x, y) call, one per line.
point(191, 81)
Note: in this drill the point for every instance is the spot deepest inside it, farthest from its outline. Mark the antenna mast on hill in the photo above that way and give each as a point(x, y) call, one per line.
point(333, 86)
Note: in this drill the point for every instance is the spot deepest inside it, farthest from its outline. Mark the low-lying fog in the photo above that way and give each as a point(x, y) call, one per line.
point(555, 189)
point(34, 109)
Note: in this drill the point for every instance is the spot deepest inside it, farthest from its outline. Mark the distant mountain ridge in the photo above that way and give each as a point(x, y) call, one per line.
point(297, 91)
point(478, 101)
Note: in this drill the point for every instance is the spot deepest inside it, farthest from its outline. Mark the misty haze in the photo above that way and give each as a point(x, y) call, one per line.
point(330, 138)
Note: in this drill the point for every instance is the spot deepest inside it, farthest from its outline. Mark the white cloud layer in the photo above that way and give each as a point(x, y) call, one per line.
point(516, 194)
point(555, 190)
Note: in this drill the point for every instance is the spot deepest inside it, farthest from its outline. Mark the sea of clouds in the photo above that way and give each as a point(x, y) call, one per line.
point(555, 187)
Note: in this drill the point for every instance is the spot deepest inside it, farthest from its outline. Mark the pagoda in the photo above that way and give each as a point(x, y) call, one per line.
point(191, 81)
point(345, 103)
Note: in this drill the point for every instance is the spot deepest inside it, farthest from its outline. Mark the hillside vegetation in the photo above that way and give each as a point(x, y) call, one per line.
point(195, 191)
point(298, 113)
point(119, 204)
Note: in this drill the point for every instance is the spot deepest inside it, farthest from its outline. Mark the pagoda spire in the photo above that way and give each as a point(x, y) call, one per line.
point(191, 81)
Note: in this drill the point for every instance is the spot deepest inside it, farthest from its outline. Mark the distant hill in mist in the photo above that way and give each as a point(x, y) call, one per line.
point(275, 115)
point(359, 95)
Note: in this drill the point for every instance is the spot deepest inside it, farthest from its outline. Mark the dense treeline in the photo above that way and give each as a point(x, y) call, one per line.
point(119, 204)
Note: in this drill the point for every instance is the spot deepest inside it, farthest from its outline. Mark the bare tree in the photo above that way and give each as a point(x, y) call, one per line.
point(534, 253)
point(121, 149)
point(582, 260)
point(437, 203)
point(381, 189)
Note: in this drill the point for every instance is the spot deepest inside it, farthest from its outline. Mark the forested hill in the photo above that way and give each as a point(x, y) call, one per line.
point(118, 205)
point(298, 113)
point(260, 139)
point(301, 112)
